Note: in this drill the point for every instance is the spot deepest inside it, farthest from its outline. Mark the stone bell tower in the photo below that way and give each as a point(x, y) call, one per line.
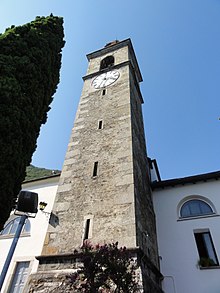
point(104, 193)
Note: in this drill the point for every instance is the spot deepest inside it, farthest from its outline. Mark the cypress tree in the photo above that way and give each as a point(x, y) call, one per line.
point(30, 61)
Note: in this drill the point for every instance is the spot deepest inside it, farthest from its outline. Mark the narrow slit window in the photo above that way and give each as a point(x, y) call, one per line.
point(104, 92)
point(100, 124)
point(86, 234)
point(95, 169)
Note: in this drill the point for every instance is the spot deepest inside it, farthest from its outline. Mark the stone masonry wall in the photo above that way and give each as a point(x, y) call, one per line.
point(117, 200)
point(108, 198)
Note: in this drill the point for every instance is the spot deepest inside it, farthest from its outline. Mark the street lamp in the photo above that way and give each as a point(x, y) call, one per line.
point(26, 207)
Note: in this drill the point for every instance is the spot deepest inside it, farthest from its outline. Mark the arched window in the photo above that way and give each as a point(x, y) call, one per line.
point(11, 227)
point(107, 62)
point(194, 208)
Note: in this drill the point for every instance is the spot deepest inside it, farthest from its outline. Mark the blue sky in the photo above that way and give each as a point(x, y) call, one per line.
point(177, 44)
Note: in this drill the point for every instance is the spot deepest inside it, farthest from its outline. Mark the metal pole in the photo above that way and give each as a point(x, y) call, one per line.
point(12, 249)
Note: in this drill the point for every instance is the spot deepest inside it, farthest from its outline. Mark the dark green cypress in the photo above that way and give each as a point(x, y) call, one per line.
point(30, 61)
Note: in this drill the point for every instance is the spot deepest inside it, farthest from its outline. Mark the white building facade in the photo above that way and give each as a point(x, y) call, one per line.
point(32, 236)
point(188, 220)
point(187, 216)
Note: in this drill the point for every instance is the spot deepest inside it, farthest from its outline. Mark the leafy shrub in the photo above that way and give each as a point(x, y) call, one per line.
point(106, 268)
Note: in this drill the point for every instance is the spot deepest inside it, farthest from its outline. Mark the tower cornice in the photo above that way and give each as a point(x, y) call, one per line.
point(91, 75)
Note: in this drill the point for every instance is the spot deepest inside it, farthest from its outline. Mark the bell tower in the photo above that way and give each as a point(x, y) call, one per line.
point(104, 193)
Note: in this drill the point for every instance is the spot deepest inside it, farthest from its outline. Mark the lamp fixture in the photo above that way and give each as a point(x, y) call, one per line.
point(53, 219)
point(42, 205)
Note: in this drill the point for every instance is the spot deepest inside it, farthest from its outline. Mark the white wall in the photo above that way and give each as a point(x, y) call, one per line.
point(30, 246)
point(177, 247)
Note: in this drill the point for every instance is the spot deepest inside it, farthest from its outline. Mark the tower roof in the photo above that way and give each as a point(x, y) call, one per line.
point(112, 43)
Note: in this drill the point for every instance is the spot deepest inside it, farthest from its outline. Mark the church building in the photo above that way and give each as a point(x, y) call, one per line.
point(109, 190)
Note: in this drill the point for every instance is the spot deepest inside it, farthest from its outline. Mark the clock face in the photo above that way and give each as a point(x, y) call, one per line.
point(105, 79)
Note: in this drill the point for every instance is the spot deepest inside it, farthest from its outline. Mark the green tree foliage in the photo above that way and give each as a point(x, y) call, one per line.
point(33, 173)
point(30, 61)
point(106, 268)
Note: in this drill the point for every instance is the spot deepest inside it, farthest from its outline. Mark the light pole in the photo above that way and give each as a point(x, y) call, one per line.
point(26, 207)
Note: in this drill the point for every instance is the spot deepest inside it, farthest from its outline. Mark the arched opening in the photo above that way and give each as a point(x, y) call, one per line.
point(107, 62)
point(194, 208)
point(11, 227)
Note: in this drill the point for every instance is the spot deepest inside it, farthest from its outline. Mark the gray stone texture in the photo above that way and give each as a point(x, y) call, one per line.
point(110, 195)
point(119, 198)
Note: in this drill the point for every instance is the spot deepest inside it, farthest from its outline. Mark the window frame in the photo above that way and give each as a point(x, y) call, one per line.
point(199, 198)
point(23, 276)
point(23, 232)
point(205, 248)
point(16, 260)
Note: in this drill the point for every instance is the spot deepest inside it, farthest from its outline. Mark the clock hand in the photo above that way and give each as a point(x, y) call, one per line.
point(102, 84)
